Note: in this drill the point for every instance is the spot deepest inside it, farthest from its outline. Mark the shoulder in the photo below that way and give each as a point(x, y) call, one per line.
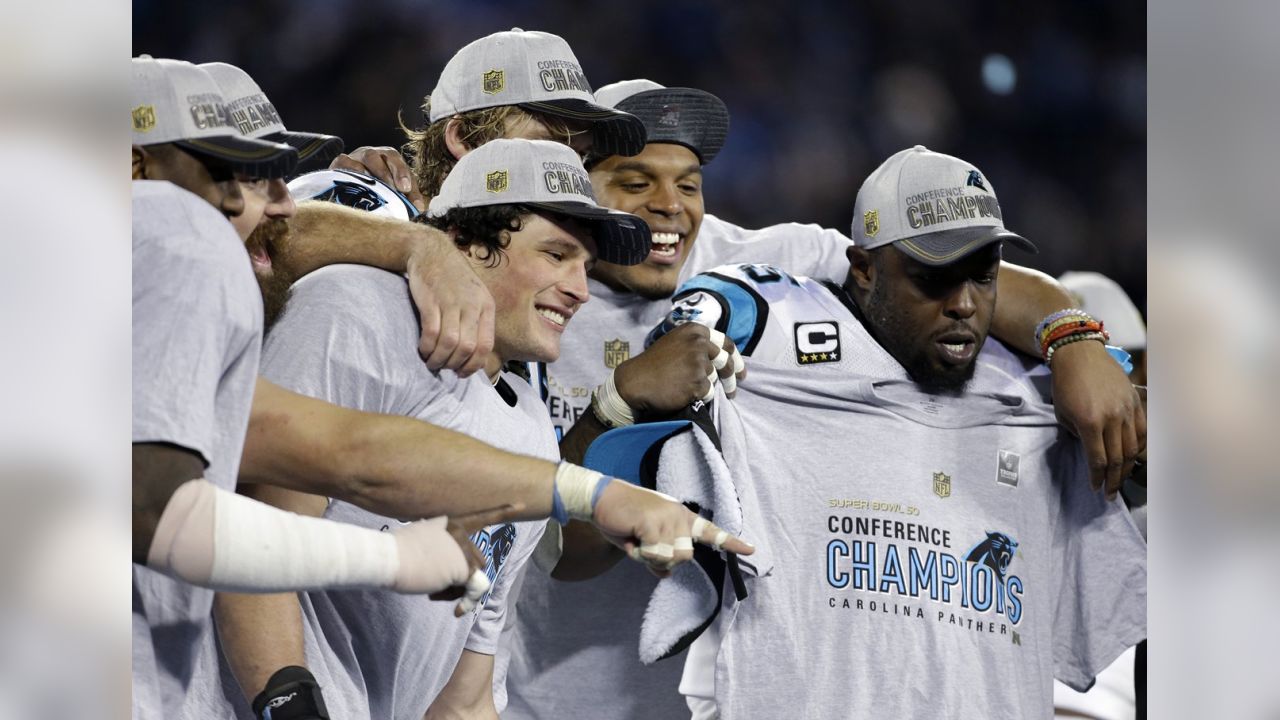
point(354, 301)
point(355, 190)
point(802, 249)
point(352, 288)
point(166, 216)
point(720, 230)
point(178, 237)
point(739, 300)
point(806, 231)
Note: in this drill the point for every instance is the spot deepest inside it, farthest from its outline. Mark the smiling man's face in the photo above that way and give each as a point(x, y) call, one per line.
point(538, 283)
point(662, 185)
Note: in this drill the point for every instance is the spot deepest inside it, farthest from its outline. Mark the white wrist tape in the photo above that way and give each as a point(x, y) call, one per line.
point(217, 539)
point(578, 488)
point(609, 406)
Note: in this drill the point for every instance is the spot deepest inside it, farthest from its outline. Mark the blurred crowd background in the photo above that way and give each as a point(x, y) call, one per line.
point(1048, 99)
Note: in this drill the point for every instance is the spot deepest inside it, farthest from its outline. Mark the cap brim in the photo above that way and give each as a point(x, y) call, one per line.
point(315, 150)
point(693, 118)
point(612, 132)
point(621, 238)
point(947, 246)
point(250, 156)
point(620, 452)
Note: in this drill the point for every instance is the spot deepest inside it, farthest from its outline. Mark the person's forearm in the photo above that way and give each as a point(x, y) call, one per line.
point(260, 634)
point(1025, 298)
point(158, 470)
point(469, 693)
point(395, 466)
point(574, 444)
point(324, 233)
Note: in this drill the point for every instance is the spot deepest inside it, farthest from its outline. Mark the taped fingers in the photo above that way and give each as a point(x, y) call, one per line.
point(727, 362)
point(722, 357)
point(708, 534)
point(701, 528)
point(660, 566)
point(477, 585)
point(730, 383)
point(711, 386)
point(657, 552)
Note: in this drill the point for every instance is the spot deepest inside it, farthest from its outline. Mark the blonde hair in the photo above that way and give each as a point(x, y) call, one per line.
point(429, 156)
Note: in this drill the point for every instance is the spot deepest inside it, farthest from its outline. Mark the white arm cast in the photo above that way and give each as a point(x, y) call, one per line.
point(218, 539)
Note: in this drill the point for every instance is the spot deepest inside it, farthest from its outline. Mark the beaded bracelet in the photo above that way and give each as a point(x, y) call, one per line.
point(1042, 328)
point(1078, 337)
point(1064, 322)
point(1075, 328)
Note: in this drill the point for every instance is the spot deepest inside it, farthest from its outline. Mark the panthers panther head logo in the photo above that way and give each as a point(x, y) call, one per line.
point(996, 552)
point(353, 195)
point(503, 539)
point(975, 180)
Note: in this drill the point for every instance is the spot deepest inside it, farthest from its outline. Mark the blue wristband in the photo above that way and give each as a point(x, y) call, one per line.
point(600, 486)
point(558, 511)
point(1122, 357)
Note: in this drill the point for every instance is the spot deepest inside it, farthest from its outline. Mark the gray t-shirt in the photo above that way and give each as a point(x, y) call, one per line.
point(917, 555)
point(349, 335)
point(197, 329)
point(575, 650)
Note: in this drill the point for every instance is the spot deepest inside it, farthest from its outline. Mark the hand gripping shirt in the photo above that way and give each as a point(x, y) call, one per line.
point(349, 335)
point(918, 555)
point(575, 650)
point(197, 333)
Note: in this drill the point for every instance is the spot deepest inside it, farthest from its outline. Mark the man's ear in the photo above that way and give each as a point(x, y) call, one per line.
point(453, 138)
point(862, 271)
point(139, 163)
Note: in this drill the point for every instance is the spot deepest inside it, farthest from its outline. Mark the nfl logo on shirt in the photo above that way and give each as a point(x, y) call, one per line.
point(616, 352)
point(942, 485)
point(1007, 468)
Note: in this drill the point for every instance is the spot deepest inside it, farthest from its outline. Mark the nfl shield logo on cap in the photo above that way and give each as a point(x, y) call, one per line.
point(871, 222)
point(144, 118)
point(494, 81)
point(496, 181)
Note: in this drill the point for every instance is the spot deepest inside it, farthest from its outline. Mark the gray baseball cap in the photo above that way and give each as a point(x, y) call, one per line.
point(256, 117)
point(546, 176)
point(539, 73)
point(176, 102)
point(693, 118)
point(934, 207)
